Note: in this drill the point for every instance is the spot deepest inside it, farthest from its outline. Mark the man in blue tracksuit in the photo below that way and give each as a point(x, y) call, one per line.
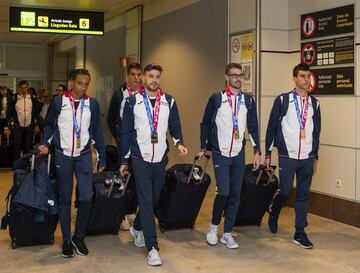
point(226, 116)
point(147, 117)
point(114, 117)
point(294, 128)
point(72, 123)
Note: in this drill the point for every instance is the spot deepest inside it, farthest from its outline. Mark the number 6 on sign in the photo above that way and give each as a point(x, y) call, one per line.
point(84, 23)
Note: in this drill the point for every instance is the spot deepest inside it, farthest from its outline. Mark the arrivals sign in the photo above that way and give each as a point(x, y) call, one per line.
point(328, 52)
point(26, 19)
point(332, 81)
point(327, 22)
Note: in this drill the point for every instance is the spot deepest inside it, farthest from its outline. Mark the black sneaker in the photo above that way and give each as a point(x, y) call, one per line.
point(301, 239)
point(273, 223)
point(67, 249)
point(80, 246)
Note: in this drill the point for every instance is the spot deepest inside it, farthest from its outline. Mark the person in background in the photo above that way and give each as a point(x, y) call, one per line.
point(5, 110)
point(114, 117)
point(33, 92)
point(25, 115)
point(60, 90)
point(44, 100)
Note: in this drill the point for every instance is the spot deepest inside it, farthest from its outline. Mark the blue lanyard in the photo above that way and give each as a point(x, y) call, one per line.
point(76, 125)
point(236, 126)
point(148, 112)
point(234, 118)
point(298, 112)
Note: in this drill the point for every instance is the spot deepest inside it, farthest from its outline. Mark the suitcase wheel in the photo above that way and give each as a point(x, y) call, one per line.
point(259, 222)
point(162, 227)
point(14, 244)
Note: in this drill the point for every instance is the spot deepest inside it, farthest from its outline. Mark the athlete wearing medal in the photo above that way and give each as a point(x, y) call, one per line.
point(117, 103)
point(147, 117)
point(226, 117)
point(294, 128)
point(72, 123)
point(114, 119)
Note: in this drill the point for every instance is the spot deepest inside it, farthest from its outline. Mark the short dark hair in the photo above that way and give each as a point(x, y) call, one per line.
point(80, 71)
point(63, 87)
point(32, 91)
point(232, 65)
point(153, 66)
point(134, 66)
point(300, 67)
point(23, 82)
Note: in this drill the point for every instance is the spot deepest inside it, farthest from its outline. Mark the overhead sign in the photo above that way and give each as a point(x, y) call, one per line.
point(328, 52)
point(327, 22)
point(333, 81)
point(56, 21)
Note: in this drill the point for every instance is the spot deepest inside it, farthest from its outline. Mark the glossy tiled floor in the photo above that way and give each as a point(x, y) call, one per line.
point(337, 249)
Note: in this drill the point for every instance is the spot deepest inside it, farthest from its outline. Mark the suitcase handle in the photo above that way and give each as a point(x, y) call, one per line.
point(270, 172)
point(113, 180)
point(35, 134)
point(34, 153)
point(207, 158)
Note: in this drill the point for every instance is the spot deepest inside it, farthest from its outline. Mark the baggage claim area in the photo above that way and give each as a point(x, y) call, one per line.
point(191, 130)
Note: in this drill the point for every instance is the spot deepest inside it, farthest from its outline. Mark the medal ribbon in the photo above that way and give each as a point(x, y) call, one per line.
point(234, 118)
point(301, 118)
point(128, 88)
point(154, 116)
point(77, 128)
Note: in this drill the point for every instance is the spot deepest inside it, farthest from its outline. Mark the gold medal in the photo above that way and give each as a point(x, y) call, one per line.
point(236, 133)
point(302, 134)
point(154, 138)
point(78, 143)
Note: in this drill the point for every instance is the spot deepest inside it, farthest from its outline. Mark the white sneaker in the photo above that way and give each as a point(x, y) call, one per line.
point(138, 237)
point(211, 236)
point(153, 257)
point(228, 240)
point(125, 225)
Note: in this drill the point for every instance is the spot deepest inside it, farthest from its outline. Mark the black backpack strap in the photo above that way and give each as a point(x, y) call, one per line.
point(249, 100)
point(169, 100)
point(284, 98)
point(314, 103)
point(57, 106)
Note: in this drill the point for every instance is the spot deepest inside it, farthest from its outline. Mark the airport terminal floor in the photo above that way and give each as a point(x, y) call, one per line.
point(336, 249)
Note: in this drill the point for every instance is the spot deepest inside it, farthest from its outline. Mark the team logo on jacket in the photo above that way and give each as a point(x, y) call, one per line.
point(164, 103)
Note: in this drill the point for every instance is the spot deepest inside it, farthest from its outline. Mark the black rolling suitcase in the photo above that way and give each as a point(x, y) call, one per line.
point(29, 225)
point(258, 190)
point(6, 152)
point(182, 196)
point(111, 198)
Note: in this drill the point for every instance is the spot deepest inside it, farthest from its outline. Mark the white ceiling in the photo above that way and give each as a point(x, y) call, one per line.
point(111, 8)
